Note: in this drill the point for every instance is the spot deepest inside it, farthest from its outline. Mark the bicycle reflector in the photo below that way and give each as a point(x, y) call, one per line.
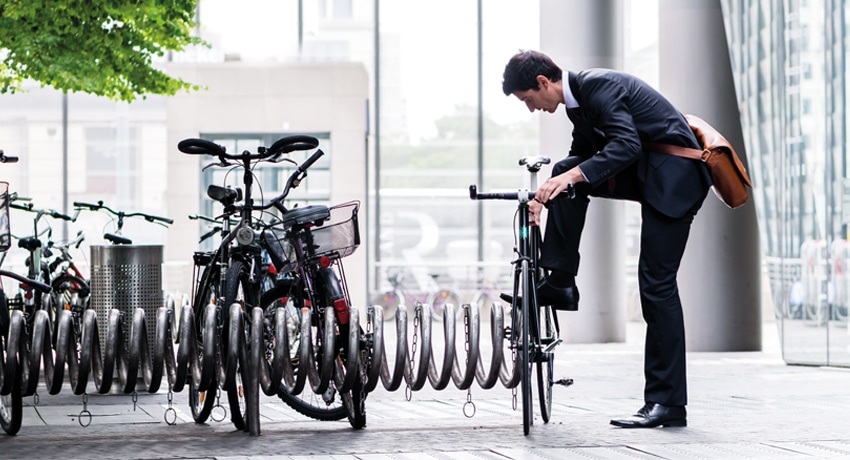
point(341, 307)
point(324, 261)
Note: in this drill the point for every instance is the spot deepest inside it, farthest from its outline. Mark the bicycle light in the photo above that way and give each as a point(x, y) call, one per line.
point(245, 236)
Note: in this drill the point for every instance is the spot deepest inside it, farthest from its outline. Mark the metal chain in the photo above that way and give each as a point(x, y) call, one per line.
point(217, 406)
point(513, 360)
point(170, 410)
point(85, 414)
point(469, 404)
point(408, 392)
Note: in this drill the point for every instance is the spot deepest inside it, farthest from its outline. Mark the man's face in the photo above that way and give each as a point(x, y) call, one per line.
point(545, 97)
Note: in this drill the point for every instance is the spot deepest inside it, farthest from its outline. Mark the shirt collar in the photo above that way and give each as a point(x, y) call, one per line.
point(569, 100)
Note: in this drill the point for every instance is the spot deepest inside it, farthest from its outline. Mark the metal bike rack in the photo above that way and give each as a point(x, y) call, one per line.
point(155, 355)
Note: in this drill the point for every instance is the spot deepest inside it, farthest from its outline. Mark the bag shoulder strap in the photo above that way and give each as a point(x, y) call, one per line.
point(710, 139)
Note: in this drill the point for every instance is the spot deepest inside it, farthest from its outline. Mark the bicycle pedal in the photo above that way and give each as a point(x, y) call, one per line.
point(564, 381)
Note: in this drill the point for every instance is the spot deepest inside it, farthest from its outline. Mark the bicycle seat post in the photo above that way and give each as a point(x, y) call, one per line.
point(533, 164)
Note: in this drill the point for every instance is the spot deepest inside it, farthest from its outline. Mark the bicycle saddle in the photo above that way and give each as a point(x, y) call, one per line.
point(534, 163)
point(224, 195)
point(29, 243)
point(308, 214)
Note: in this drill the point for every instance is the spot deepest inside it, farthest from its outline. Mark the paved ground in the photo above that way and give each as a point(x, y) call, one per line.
point(743, 405)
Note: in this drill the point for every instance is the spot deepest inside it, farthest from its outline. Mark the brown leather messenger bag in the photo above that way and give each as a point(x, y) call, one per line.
point(728, 175)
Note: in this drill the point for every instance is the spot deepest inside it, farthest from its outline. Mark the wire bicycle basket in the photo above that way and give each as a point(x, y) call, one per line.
point(340, 236)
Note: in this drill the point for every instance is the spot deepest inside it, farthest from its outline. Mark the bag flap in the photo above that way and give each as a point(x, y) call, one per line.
point(710, 139)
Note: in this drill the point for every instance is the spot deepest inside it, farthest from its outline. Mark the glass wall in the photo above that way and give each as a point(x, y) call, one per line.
point(444, 124)
point(790, 74)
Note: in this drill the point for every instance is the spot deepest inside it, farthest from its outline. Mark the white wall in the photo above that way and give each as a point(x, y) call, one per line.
point(256, 98)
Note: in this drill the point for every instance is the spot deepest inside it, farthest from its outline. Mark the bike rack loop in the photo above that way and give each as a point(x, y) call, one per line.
point(175, 361)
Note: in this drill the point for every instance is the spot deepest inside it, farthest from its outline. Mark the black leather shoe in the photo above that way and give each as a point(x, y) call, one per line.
point(559, 298)
point(652, 415)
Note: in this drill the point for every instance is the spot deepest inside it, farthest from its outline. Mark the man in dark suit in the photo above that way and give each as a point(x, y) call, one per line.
point(615, 117)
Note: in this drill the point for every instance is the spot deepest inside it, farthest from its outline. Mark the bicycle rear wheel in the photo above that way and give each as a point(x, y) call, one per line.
point(439, 299)
point(545, 373)
point(327, 406)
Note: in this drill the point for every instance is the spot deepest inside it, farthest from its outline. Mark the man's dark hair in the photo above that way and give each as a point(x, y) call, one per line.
point(524, 67)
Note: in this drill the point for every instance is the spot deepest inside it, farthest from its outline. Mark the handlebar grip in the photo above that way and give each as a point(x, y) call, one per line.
point(7, 158)
point(474, 195)
point(37, 285)
point(93, 207)
point(292, 143)
point(196, 146)
point(59, 215)
point(309, 161)
point(162, 219)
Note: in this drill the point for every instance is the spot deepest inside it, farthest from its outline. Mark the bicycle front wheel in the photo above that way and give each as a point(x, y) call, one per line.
point(237, 290)
point(202, 403)
point(525, 343)
point(11, 410)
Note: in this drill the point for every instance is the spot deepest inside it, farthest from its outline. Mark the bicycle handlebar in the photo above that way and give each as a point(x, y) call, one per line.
point(195, 146)
point(121, 214)
point(7, 158)
point(46, 212)
point(37, 285)
point(292, 182)
point(522, 195)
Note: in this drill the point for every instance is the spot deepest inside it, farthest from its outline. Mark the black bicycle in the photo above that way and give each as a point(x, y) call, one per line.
point(262, 262)
point(533, 330)
point(12, 326)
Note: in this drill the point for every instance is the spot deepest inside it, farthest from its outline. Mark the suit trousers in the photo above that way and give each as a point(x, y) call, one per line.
point(662, 244)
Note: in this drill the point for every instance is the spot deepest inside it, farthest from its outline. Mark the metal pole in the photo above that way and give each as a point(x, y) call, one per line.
point(65, 164)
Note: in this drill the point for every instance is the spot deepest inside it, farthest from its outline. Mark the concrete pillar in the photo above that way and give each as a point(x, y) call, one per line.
point(581, 34)
point(719, 281)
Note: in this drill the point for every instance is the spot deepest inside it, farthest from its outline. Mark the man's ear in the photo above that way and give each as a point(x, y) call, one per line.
point(542, 82)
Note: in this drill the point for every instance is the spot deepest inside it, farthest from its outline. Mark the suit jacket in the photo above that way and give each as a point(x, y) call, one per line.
point(618, 113)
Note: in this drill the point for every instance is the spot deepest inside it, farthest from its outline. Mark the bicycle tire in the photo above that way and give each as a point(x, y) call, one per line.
point(68, 292)
point(525, 349)
point(237, 290)
point(201, 404)
point(11, 409)
point(4, 315)
point(354, 401)
point(327, 407)
point(545, 372)
point(389, 300)
point(438, 300)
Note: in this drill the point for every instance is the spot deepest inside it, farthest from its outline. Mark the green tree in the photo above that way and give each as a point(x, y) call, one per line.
point(102, 47)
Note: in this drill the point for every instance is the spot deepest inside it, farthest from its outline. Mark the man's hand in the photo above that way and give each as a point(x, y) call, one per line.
point(534, 210)
point(553, 186)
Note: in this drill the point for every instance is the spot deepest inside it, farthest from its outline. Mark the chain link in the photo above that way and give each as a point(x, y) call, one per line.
point(85, 414)
point(170, 410)
point(469, 404)
point(417, 312)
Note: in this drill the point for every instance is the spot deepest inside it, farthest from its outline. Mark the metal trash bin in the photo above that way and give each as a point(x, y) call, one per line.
point(126, 278)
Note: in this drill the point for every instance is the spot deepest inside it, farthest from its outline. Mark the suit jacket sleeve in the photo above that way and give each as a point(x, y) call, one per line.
point(605, 105)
